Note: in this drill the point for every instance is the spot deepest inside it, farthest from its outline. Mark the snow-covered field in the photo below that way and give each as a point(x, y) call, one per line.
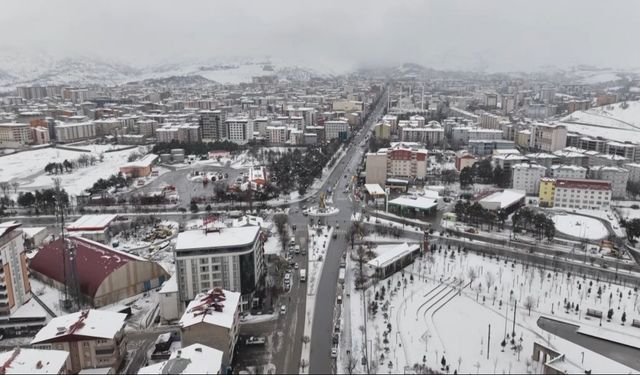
point(27, 168)
point(616, 122)
point(442, 306)
point(580, 226)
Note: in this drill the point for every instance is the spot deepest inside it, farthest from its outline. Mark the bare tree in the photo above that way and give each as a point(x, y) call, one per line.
point(15, 186)
point(472, 274)
point(350, 363)
point(281, 221)
point(529, 302)
point(4, 186)
point(490, 279)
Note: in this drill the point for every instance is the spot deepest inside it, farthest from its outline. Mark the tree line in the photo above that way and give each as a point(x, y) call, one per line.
point(195, 148)
point(538, 224)
point(44, 200)
point(484, 172)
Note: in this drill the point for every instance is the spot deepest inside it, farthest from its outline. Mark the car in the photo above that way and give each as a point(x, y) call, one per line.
point(256, 340)
point(283, 309)
point(303, 252)
point(294, 227)
point(296, 266)
point(287, 276)
point(334, 352)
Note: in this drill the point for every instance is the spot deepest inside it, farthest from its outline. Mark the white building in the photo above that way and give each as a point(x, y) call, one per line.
point(169, 301)
point(569, 171)
point(634, 171)
point(429, 134)
point(582, 194)
point(230, 258)
point(337, 129)
point(276, 134)
point(398, 161)
point(213, 125)
point(212, 319)
point(526, 177)
point(193, 359)
point(239, 130)
point(71, 132)
point(617, 176)
point(548, 137)
point(15, 135)
point(489, 121)
point(34, 361)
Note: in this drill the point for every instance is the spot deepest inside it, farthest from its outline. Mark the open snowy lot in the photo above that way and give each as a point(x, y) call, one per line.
point(27, 168)
point(443, 303)
point(580, 226)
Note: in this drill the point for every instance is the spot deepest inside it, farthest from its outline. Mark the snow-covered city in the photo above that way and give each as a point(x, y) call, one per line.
point(424, 188)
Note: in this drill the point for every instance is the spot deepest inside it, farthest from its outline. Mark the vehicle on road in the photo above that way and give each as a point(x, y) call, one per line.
point(334, 352)
point(303, 275)
point(256, 340)
point(294, 227)
point(297, 249)
point(283, 309)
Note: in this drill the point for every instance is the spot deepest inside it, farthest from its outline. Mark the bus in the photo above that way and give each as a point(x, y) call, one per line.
point(303, 275)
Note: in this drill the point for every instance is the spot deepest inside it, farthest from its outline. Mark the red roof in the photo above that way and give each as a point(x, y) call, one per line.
point(583, 184)
point(94, 262)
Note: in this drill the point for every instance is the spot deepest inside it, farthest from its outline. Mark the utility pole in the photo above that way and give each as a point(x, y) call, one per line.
point(515, 306)
point(488, 340)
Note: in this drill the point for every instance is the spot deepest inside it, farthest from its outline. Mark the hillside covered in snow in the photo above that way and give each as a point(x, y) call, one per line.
point(619, 121)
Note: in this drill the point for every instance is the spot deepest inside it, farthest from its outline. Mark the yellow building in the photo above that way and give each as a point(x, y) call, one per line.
point(547, 192)
point(382, 130)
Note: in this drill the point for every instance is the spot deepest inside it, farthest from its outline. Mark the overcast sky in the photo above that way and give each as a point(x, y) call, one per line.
point(495, 35)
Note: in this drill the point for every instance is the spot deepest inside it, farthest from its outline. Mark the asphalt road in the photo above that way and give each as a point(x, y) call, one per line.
point(323, 318)
point(620, 353)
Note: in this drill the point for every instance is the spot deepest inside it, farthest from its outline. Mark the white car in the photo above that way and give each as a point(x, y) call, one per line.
point(334, 352)
point(283, 309)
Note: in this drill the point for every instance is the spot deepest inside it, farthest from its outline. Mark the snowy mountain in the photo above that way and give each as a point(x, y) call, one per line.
point(18, 69)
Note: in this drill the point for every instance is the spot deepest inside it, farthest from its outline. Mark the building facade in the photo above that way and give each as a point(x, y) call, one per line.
point(582, 194)
point(526, 177)
point(15, 288)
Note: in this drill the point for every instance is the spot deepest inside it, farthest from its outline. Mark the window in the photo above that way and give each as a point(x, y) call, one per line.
point(204, 269)
point(204, 260)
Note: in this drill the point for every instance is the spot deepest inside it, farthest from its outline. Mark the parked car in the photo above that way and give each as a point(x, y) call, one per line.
point(256, 340)
point(283, 309)
point(334, 352)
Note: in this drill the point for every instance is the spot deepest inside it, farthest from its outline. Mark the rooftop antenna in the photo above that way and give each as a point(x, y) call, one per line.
point(71, 298)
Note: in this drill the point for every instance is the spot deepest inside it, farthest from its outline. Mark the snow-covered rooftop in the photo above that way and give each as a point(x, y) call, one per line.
point(224, 238)
point(169, 286)
point(389, 253)
point(193, 359)
point(504, 198)
point(374, 189)
point(91, 222)
point(96, 324)
point(217, 307)
point(33, 361)
point(421, 203)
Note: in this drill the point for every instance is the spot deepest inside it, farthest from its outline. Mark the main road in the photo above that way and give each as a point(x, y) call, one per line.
point(322, 325)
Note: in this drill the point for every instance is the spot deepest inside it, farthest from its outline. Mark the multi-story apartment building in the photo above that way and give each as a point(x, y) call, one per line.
point(398, 161)
point(71, 132)
point(276, 134)
point(212, 319)
point(391, 120)
point(429, 134)
point(617, 176)
point(192, 359)
point(213, 125)
point(189, 133)
point(582, 194)
point(93, 339)
point(229, 258)
point(627, 150)
point(337, 129)
point(166, 134)
point(546, 137)
point(15, 135)
point(547, 192)
point(506, 161)
point(462, 135)
point(40, 135)
point(147, 128)
point(15, 288)
point(569, 171)
point(239, 130)
point(489, 121)
point(526, 177)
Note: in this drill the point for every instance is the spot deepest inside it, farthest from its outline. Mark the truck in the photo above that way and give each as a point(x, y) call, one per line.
point(303, 275)
point(341, 275)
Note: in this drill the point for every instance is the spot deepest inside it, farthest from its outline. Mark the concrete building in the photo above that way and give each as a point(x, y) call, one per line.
point(229, 258)
point(546, 137)
point(569, 171)
point(239, 130)
point(462, 135)
point(484, 147)
point(429, 134)
point(391, 120)
point(213, 125)
point(464, 159)
point(627, 150)
point(212, 319)
point(617, 176)
point(141, 167)
point(72, 132)
point(547, 192)
point(523, 138)
point(382, 130)
point(169, 301)
point(167, 134)
point(93, 339)
point(489, 121)
point(276, 134)
point(15, 288)
point(526, 177)
point(96, 227)
point(189, 133)
point(15, 135)
point(34, 361)
point(398, 161)
point(582, 194)
point(544, 159)
point(40, 135)
point(103, 275)
point(193, 359)
point(337, 129)
point(506, 161)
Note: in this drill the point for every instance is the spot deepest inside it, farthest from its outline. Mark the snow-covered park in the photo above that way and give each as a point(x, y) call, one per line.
point(580, 226)
point(443, 303)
